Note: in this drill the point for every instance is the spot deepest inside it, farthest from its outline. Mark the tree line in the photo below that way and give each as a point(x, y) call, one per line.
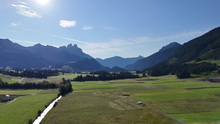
point(41, 85)
point(65, 86)
point(104, 76)
point(182, 70)
point(31, 73)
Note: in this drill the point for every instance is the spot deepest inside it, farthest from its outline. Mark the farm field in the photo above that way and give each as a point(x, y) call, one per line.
point(186, 100)
point(54, 79)
point(10, 79)
point(102, 108)
point(25, 106)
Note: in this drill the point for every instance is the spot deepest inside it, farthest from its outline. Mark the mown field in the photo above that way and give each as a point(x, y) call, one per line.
point(187, 100)
point(25, 106)
point(54, 79)
point(27, 103)
point(10, 79)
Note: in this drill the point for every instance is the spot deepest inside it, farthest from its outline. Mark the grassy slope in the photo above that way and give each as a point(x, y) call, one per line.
point(25, 107)
point(208, 61)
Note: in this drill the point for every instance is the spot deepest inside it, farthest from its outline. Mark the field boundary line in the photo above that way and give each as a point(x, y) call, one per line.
point(161, 111)
point(21, 80)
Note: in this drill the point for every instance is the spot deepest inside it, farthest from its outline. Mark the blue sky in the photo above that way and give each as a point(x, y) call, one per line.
point(106, 28)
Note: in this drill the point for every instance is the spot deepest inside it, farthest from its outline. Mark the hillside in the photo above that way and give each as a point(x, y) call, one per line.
point(14, 55)
point(39, 56)
point(84, 65)
point(191, 54)
point(163, 54)
point(118, 61)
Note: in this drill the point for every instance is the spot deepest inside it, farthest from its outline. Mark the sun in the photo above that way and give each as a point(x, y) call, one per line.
point(43, 2)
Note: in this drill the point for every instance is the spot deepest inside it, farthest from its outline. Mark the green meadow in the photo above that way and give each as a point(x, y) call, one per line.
point(25, 106)
point(186, 100)
point(10, 79)
point(54, 79)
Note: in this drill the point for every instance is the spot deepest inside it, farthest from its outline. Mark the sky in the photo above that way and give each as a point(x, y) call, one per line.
point(107, 28)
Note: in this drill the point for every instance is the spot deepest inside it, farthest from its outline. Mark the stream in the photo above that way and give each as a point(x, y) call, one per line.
point(44, 113)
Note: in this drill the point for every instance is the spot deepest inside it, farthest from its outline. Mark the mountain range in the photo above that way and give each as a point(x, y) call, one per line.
point(118, 61)
point(160, 56)
point(39, 56)
point(167, 60)
point(200, 54)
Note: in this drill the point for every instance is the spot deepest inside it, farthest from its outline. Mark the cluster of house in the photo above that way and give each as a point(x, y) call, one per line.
point(5, 98)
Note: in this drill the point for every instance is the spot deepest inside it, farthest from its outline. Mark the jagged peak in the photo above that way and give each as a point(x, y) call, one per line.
point(72, 46)
point(75, 45)
point(69, 45)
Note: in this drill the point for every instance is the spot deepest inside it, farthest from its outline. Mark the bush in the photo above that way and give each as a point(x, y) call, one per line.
point(65, 87)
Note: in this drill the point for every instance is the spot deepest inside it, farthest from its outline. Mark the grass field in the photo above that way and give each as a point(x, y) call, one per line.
point(207, 61)
point(26, 106)
point(54, 79)
point(99, 108)
point(10, 79)
point(188, 100)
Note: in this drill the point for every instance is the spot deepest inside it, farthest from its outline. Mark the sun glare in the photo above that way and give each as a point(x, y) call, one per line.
point(44, 2)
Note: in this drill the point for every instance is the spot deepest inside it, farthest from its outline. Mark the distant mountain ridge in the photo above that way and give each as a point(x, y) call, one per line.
point(160, 56)
point(14, 55)
point(168, 60)
point(190, 54)
point(89, 64)
point(118, 61)
point(38, 56)
point(171, 45)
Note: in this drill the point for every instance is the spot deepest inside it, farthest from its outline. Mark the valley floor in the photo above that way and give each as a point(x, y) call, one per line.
point(184, 101)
